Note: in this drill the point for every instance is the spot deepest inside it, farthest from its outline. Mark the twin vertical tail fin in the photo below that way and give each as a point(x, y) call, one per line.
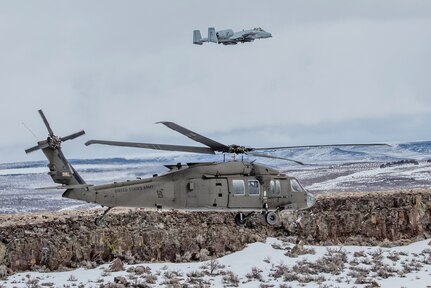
point(60, 169)
point(197, 38)
point(212, 36)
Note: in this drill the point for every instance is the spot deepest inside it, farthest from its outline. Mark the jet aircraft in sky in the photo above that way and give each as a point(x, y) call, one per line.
point(228, 37)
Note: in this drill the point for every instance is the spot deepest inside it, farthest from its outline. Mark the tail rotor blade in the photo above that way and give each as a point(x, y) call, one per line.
point(32, 149)
point(73, 136)
point(40, 145)
point(273, 157)
point(51, 133)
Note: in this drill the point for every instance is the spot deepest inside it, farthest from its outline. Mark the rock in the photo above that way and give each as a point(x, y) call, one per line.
point(297, 250)
point(116, 265)
point(121, 280)
point(3, 271)
point(204, 255)
point(368, 218)
point(2, 253)
point(90, 264)
point(139, 270)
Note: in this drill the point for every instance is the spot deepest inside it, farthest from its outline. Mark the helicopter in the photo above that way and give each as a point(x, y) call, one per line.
point(240, 186)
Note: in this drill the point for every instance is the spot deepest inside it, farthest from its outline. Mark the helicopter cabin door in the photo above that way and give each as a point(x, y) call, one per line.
point(245, 193)
point(210, 192)
point(217, 192)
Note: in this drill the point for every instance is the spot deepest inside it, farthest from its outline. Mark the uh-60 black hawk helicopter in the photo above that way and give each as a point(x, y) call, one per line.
point(234, 185)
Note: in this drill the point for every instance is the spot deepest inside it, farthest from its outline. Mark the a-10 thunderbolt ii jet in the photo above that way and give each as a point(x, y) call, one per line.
point(228, 37)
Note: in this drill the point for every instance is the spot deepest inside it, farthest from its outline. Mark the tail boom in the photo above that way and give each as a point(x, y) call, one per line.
point(60, 170)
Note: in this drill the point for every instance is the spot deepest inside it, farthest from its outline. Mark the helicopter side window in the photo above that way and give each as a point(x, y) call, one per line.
point(238, 187)
point(253, 187)
point(296, 187)
point(275, 187)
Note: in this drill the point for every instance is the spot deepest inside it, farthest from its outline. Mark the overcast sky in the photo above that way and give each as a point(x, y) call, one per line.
point(334, 71)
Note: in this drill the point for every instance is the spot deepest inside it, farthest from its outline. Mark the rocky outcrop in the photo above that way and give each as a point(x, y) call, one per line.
point(60, 240)
point(363, 218)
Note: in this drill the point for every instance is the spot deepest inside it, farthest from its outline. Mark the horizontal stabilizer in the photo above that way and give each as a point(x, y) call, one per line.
point(79, 186)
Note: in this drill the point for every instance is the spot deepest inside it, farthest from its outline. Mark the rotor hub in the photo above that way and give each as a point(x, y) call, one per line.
point(237, 149)
point(54, 142)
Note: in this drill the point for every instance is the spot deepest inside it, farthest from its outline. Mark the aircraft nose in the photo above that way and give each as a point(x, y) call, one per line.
point(310, 200)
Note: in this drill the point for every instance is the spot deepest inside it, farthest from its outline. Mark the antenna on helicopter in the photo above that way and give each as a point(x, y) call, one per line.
point(29, 130)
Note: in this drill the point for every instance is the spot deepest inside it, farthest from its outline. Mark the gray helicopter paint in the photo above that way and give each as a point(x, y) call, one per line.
point(204, 186)
point(233, 185)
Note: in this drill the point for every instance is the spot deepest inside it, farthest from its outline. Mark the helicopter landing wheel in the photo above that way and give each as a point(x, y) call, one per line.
point(271, 218)
point(240, 219)
point(99, 220)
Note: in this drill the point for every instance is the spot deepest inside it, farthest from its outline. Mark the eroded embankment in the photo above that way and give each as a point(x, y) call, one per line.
point(57, 240)
point(364, 218)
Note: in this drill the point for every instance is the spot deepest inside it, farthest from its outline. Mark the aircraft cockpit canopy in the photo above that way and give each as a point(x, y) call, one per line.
point(258, 29)
point(296, 187)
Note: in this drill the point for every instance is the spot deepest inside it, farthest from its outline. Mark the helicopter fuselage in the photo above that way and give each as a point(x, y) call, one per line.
point(235, 185)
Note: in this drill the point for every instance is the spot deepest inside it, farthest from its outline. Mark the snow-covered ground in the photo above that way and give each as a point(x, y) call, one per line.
point(275, 262)
point(367, 177)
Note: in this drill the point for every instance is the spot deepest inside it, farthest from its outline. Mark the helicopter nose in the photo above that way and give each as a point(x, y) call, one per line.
point(310, 200)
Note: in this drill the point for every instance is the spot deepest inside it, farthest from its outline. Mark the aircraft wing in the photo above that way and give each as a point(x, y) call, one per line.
point(244, 37)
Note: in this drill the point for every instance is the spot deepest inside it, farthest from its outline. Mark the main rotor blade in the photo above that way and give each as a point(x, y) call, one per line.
point(73, 136)
point(181, 148)
point(51, 133)
point(324, 145)
point(273, 157)
point(214, 145)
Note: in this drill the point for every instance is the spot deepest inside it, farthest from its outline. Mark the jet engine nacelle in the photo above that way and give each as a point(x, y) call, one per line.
point(223, 34)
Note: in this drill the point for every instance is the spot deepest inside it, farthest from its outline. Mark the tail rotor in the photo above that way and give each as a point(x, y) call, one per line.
point(52, 141)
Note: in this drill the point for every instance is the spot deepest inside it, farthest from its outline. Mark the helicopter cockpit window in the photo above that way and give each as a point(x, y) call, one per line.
point(238, 187)
point(253, 187)
point(275, 187)
point(296, 187)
